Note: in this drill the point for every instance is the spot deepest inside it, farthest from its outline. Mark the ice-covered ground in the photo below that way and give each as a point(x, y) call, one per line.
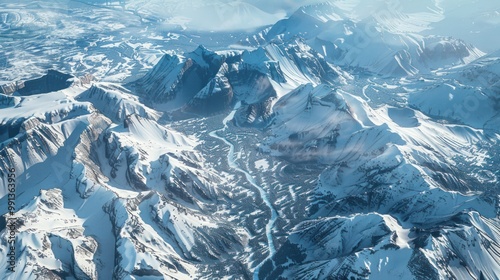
point(110, 42)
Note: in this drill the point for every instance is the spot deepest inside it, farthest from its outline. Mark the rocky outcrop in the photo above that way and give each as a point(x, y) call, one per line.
point(217, 80)
point(52, 81)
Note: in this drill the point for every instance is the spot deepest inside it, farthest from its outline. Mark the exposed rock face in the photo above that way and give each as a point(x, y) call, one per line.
point(320, 171)
point(401, 184)
point(215, 97)
point(206, 82)
point(93, 163)
point(179, 78)
point(58, 249)
point(52, 81)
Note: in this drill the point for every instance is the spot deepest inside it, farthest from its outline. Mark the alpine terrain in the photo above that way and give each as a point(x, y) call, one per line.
point(349, 139)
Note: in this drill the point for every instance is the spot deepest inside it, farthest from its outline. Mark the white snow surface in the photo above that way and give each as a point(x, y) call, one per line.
point(119, 181)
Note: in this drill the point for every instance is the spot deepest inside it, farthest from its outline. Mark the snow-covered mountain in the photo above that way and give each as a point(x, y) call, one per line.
point(208, 82)
point(334, 144)
point(112, 179)
point(220, 15)
point(370, 43)
point(385, 161)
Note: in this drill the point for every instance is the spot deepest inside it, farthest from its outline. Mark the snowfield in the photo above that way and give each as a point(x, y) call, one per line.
point(341, 140)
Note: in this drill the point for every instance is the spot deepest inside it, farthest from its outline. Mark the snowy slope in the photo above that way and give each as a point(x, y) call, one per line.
point(337, 143)
point(384, 161)
point(468, 94)
point(207, 82)
point(379, 44)
point(218, 15)
point(79, 170)
point(116, 102)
